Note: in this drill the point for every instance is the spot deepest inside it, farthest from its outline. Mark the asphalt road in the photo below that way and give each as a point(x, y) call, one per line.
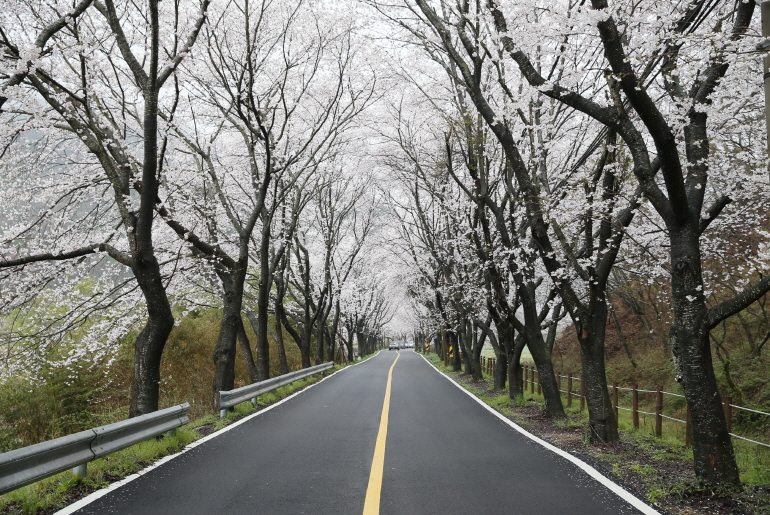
point(445, 454)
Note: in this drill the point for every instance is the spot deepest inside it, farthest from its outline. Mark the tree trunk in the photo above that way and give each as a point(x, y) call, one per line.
point(224, 351)
point(263, 300)
point(281, 347)
point(454, 339)
point(349, 343)
point(712, 447)
point(478, 345)
point(515, 371)
point(463, 338)
point(334, 328)
point(501, 371)
point(248, 356)
point(320, 344)
point(148, 347)
point(540, 355)
point(602, 422)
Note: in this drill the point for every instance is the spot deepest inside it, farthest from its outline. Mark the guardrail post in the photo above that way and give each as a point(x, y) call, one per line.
point(569, 390)
point(635, 405)
point(254, 401)
point(615, 399)
point(687, 431)
point(582, 394)
point(728, 413)
point(80, 471)
point(223, 413)
point(659, 412)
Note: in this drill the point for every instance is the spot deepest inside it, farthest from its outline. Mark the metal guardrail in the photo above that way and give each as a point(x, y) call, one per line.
point(27, 465)
point(228, 399)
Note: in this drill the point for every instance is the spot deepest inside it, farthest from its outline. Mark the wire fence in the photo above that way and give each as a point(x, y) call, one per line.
point(572, 386)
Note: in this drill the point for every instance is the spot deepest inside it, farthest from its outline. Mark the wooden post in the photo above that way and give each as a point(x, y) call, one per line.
point(569, 390)
point(615, 399)
point(582, 394)
point(659, 412)
point(635, 406)
point(687, 431)
point(532, 382)
point(728, 413)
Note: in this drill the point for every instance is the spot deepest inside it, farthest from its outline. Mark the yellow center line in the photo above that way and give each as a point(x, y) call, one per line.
point(372, 503)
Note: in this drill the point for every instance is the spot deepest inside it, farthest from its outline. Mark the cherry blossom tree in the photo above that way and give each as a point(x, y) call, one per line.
point(95, 86)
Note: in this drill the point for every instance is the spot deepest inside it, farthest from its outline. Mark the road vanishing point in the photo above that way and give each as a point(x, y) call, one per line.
point(390, 435)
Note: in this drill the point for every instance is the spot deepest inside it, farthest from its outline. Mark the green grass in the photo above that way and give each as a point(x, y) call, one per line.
point(62, 489)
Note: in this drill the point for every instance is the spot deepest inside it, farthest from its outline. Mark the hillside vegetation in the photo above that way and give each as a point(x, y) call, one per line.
point(57, 401)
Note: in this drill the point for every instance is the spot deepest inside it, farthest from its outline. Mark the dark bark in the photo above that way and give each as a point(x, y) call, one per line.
point(149, 345)
point(263, 302)
point(351, 354)
point(501, 371)
point(713, 452)
point(540, 355)
point(602, 422)
point(231, 324)
point(248, 356)
point(457, 362)
point(478, 345)
point(281, 347)
point(515, 370)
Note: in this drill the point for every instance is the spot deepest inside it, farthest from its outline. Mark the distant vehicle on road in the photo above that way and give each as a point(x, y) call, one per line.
point(394, 345)
point(410, 344)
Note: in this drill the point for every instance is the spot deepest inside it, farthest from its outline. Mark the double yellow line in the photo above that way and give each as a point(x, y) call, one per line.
point(372, 503)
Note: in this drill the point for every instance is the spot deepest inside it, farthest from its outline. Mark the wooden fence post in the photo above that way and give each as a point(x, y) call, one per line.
point(659, 412)
point(635, 405)
point(728, 413)
point(569, 390)
point(532, 383)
